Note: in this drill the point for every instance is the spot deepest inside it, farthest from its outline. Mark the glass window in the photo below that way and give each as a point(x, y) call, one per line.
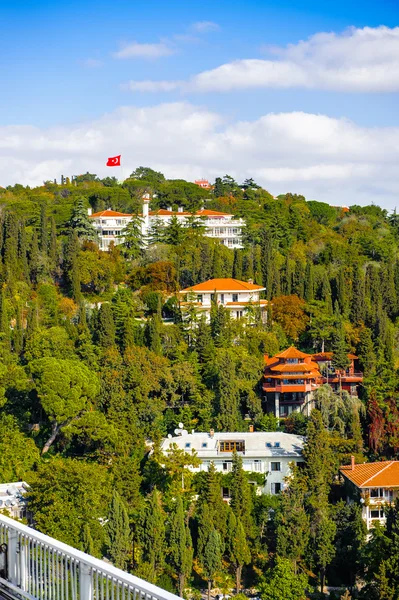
point(235, 297)
point(230, 446)
point(375, 493)
point(227, 466)
point(268, 445)
point(222, 298)
point(277, 444)
point(199, 298)
point(187, 445)
point(376, 514)
point(257, 465)
point(204, 444)
point(276, 488)
point(225, 492)
point(275, 466)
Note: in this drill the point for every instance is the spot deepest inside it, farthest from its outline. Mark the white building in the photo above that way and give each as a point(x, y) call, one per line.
point(241, 298)
point(374, 485)
point(268, 453)
point(218, 225)
point(12, 499)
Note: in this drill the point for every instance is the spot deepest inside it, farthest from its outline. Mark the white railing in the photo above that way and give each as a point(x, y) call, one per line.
point(41, 568)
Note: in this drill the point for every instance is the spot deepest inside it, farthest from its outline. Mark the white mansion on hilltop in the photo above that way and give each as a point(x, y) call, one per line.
point(269, 453)
point(222, 226)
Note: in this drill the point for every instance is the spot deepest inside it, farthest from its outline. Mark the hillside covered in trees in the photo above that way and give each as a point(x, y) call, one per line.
point(98, 365)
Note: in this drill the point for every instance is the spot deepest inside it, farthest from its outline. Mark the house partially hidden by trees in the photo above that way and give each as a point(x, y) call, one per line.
point(374, 485)
point(268, 454)
point(291, 377)
point(240, 298)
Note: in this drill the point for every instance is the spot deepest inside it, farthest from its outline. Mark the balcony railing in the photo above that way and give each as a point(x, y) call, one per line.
point(41, 568)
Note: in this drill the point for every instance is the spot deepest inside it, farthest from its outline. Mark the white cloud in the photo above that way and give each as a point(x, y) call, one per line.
point(328, 159)
point(205, 26)
point(357, 60)
point(137, 50)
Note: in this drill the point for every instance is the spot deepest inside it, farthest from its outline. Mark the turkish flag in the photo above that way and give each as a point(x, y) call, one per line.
point(114, 161)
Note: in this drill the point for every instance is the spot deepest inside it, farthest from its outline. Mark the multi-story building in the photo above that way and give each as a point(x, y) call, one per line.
point(218, 225)
point(240, 298)
point(346, 379)
point(268, 453)
point(12, 499)
point(203, 183)
point(374, 485)
point(289, 380)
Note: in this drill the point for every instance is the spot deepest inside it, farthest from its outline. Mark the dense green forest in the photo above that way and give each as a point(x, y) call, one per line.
point(98, 364)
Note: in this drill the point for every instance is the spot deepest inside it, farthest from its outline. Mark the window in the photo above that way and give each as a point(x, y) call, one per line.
point(275, 466)
point(300, 464)
point(268, 445)
point(222, 298)
point(227, 466)
point(277, 444)
point(225, 493)
point(376, 514)
point(199, 298)
point(187, 445)
point(375, 493)
point(257, 465)
point(276, 488)
point(204, 445)
point(231, 446)
point(235, 297)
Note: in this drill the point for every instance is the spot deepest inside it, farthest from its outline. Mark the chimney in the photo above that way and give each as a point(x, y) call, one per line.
point(169, 208)
point(211, 433)
point(251, 429)
point(250, 280)
point(180, 209)
point(352, 463)
point(146, 204)
point(90, 211)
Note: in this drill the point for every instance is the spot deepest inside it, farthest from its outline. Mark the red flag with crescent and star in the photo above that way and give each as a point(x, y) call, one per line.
point(114, 161)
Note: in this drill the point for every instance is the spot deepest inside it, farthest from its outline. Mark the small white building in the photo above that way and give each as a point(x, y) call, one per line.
point(374, 485)
point(12, 499)
point(240, 298)
point(218, 225)
point(268, 453)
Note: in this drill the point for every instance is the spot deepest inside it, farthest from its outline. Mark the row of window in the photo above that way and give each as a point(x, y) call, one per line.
point(381, 493)
point(257, 466)
point(230, 446)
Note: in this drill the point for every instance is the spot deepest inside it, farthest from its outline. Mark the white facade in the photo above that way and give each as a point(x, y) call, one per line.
point(222, 226)
point(12, 499)
point(240, 298)
point(268, 453)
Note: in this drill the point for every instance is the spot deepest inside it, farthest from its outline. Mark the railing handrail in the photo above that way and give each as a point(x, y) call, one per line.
point(89, 561)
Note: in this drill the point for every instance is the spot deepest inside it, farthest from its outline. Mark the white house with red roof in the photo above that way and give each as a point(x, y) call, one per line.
point(218, 225)
point(375, 485)
point(240, 298)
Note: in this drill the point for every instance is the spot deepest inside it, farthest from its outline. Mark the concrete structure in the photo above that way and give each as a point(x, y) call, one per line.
point(268, 453)
point(289, 380)
point(12, 499)
point(374, 485)
point(347, 379)
point(240, 298)
point(38, 567)
point(218, 225)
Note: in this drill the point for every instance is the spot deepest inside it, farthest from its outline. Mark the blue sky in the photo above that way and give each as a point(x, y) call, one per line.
point(67, 68)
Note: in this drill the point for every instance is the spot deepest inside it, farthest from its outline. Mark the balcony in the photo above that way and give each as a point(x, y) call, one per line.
point(38, 567)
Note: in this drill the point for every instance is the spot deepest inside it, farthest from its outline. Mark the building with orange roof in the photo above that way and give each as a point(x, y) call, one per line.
point(218, 225)
point(240, 298)
point(203, 183)
point(346, 379)
point(374, 485)
point(289, 381)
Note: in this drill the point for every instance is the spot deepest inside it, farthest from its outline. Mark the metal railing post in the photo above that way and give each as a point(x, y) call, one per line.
point(85, 582)
point(13, 556)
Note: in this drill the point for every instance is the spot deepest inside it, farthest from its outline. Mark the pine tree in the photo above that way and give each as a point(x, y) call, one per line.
point(180, 545)
point(156, 233)
point(87, 544)
point(210, 551)
point(174, 232)
point(365, 352)
point(133, 241)
point(106, 326)
point(80, 221)
point(218, 188)
point(118, 532)
point(227, 395)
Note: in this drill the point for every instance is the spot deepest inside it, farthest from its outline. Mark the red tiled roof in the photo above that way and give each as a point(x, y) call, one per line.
point(299, 368)
point(162, 212)
point(320, 356)
point(292, 352)
point(377, 474)
point(223, 285)
point(109, 213)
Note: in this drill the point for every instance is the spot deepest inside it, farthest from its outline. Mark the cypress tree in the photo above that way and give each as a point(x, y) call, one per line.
point(257, 265)
point(153, 334)
point(358, 303)
point(238, 549)
point(287, 283)
point(118, 532)
point(365, 352)
point(240, 494)
point(71, 265)
point(180, 545)
point(34, 259)
point(87, 544)
point(43, 229)
point(227, 394)
point(106, 326)
point(154, 542)
point(237, 264)
point(11, 246)
point(340, 360)
point(267, 262)
point(217, 264)
point(210, 549)
point(22, 250)
point(326, 294)
point(4, 317)
point(53, 245)
point(309, 282)
point(298, 280)
point(342, 295)
point(218, 188)
point(248, 267)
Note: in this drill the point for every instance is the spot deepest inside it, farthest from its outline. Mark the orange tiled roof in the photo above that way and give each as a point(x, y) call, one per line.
point(204, 212)
point(223, 285)
point(162, 212)
point(377, 474)
point(292, 352)
point(109, 213)
point(299, 368)
point(329, 355)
